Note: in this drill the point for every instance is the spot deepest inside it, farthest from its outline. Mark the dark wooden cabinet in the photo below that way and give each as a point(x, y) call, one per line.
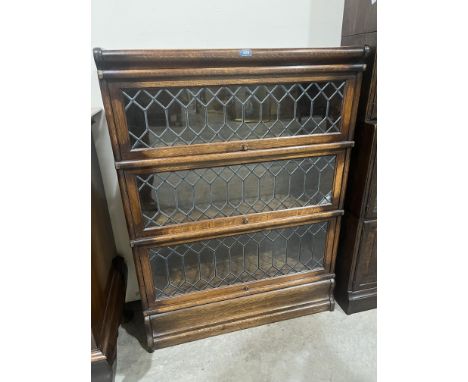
point(108, 279)
point(232, 167)
point(356, 264)
point(357, 253)
point(357, 272)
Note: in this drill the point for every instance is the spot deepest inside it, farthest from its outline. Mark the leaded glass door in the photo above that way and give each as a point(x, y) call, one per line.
point(194, 196)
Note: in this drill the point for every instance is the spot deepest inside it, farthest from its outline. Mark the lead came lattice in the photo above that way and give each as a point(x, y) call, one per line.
point(193, 195)
point(159, 117)
point(230, 260)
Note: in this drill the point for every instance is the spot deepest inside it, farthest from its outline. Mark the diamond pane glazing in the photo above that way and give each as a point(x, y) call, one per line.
point(160, 117)
point(193, 195)
point(231, 260)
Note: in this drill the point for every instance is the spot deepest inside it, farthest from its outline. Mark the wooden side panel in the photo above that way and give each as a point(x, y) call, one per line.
point(115, 300)
point(371, 211)
point(366, 266)
point(371, 111)
point(211, 319)
point(102, 246)
point(345, 258)
point(363, 172)
point(108, 281)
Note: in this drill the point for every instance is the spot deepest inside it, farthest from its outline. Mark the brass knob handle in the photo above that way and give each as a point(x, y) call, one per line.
point(245, 220)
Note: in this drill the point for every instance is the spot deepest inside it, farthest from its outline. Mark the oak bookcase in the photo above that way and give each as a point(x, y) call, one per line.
point(232, 166)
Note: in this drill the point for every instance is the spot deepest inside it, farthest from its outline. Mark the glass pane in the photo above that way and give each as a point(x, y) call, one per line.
point(182, 116)
point(236, 259)
point(192, 195)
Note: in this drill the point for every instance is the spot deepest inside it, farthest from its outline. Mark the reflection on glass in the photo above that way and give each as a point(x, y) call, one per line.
point(230, 260)
point(192, 195)
point(182, 116)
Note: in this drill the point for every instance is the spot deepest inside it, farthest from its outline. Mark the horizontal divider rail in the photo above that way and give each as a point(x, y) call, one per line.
point(228, 72)
point(231, 230)
point(238, 157)
point(234, 146)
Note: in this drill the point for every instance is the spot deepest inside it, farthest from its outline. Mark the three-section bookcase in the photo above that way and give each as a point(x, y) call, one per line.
point(232, 166)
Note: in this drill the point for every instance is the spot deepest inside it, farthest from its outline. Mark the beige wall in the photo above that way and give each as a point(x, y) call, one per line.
point(119, 24)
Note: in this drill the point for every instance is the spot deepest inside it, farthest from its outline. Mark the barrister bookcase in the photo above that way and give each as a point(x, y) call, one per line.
point(232, 166)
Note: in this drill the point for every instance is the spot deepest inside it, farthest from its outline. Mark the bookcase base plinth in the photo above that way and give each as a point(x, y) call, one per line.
point(189, 324)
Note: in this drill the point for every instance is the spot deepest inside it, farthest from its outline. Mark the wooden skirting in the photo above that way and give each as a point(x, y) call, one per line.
point(184, 325)
point(354, 302)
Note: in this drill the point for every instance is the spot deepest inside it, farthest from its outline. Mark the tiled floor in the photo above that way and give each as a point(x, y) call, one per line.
point(329, 346)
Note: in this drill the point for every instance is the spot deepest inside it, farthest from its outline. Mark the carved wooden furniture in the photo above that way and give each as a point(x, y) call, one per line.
point(108, 281)
point(232, 166)
point(356, 264)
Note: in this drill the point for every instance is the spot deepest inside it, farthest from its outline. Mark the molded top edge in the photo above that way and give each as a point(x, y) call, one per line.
point(180, 58)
